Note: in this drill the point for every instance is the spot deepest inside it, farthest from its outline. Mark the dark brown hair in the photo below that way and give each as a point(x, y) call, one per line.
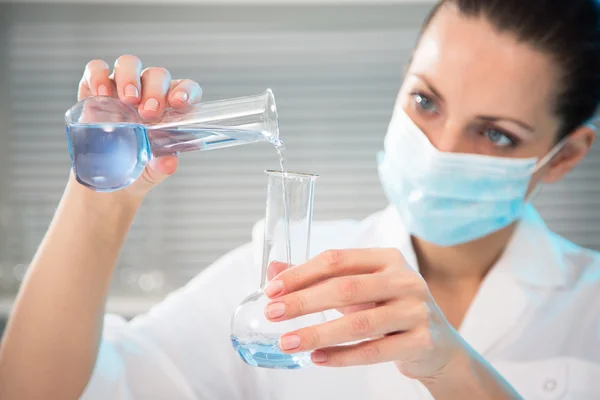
point(567, 30)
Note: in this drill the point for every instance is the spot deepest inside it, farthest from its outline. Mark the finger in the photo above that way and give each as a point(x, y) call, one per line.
point(184, 93)
point(353, 309)
point(334, 263)
point(155, 84)
point(335, 293)
point(95, 80)
point(275, 268)
point(402, 346)
point(158, 170)
point(379, 321)
point(127, 78)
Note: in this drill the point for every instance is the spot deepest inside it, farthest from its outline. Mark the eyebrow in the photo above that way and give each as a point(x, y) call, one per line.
point(486, 118)
point(430, 86)
point(514, 121)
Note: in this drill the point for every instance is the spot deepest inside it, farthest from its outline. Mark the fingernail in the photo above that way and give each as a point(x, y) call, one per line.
point(275, 310)
point(289, 342)
point(131, 91)
point(181, 96)
point(151, 105)
point(103, 90)
point(319, 356)
point(274, 288)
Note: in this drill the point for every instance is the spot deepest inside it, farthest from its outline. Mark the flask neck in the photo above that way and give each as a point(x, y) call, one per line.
point(216, 124)
point(183, 139)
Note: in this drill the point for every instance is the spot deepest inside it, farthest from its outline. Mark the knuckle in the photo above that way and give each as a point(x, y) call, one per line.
point(418, 314)
point(190, 83)
point(349, 289)
point(96, 65)
point(156, 72)
point(395, 255)
point(294, 276)
point(424, 340)
point(395, 282)
point(163, 71)
point(360, 325)
point(370, 353)
point(416, 284)
point(195, 87)
point(127, 60)
point(302, 304)
point(332, 258)
point(407, 283)
point(422, 313)
point(313, 338)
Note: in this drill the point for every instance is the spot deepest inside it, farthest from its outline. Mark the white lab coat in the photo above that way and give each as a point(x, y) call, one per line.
point(536, 319)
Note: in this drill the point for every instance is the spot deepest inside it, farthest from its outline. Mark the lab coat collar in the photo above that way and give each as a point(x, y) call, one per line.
point(533, 256)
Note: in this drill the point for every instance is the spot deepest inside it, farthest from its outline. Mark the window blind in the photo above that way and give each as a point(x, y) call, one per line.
point(335, 72)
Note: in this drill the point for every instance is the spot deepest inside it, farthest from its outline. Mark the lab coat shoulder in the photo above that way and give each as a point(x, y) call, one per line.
point(583, 264)
point(582, 292)
point(581, 287)
point(181, 348)
point(557, 355)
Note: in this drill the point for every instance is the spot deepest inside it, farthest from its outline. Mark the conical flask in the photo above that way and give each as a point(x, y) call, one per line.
point(110, 145)
point(286, 239)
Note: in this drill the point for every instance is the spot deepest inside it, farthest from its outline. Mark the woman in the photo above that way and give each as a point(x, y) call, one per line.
point(461, 289)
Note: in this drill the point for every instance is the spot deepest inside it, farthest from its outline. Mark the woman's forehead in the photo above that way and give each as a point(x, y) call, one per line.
point(467, 59)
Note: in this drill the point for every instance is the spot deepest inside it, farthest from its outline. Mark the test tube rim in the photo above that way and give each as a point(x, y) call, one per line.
point(290, 174)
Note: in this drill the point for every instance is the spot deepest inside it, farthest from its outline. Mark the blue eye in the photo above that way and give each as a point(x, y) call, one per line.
point(499, 138)
point(425, 103)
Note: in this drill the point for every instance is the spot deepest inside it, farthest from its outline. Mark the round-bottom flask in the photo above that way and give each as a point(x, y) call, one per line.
point(286, 239)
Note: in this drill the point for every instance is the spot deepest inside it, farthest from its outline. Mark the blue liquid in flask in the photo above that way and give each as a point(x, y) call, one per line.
point(108, 156)
point(265, 353)
point(111, 156)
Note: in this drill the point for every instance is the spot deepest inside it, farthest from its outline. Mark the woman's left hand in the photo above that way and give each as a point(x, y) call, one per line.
point(386, 305)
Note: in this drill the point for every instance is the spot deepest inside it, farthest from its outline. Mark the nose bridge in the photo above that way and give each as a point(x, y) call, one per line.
point(449, 139)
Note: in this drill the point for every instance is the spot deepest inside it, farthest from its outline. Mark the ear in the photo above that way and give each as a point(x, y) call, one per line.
point(575, 149)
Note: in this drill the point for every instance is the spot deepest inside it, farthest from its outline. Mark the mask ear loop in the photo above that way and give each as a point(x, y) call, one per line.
point(545, 160)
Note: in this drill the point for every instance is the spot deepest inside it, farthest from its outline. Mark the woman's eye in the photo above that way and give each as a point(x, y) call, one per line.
point(499, 138)
point(425, 103)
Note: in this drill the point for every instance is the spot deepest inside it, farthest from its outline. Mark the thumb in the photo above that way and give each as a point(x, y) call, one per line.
point(157, 170)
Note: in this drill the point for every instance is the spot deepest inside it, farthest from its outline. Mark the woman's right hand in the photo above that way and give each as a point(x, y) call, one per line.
point(68, 280)
point(152, 91)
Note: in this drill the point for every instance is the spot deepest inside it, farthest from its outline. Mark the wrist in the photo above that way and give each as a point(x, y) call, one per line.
point(458, 365)
point(119, 201)
point(469, 375)
point(85, 218)
point(452, 378)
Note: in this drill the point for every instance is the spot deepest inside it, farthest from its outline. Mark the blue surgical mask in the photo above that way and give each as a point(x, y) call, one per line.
point(451, 198)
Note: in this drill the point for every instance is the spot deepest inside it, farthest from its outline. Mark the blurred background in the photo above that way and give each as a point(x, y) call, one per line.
point(334, 66)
